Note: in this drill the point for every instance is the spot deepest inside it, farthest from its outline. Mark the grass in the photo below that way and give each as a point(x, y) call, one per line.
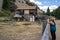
point(22, 30)
point(18, 29)
point(1, 27)
point(19, 32)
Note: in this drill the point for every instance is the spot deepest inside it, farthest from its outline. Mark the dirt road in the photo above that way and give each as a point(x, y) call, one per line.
point(58, 30)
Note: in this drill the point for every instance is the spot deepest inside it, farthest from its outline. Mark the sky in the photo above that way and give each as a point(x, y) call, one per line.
point(44, 4)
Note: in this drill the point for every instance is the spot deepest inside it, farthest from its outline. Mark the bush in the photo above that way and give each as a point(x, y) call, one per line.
point(5, 13)
point(56, 13)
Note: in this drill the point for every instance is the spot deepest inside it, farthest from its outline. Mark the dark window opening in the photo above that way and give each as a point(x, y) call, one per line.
point(20, 12)
point(32, 12)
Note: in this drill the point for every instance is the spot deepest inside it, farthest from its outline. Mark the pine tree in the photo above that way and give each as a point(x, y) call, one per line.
point(48, 12)
point(5, 4)
point(9, 5)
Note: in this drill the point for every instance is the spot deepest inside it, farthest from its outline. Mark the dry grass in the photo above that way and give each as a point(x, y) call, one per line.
point(18, 28)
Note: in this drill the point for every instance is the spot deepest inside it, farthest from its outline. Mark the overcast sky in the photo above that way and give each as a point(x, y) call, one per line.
point(44, 4)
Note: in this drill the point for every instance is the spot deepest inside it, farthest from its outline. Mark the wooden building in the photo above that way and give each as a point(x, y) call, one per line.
point(26, 12)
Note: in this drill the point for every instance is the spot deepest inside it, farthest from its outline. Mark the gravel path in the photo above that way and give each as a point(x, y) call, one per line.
point(58, 30)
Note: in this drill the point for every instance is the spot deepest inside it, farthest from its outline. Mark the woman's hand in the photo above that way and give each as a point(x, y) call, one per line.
point(51, 23)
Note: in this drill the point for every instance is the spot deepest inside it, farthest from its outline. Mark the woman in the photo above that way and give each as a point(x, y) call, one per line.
point(53, 29)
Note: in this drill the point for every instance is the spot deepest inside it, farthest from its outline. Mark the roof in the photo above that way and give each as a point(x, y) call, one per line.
point(27, 7)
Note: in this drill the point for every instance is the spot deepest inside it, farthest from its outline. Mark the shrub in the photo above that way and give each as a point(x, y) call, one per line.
point(5, 13)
